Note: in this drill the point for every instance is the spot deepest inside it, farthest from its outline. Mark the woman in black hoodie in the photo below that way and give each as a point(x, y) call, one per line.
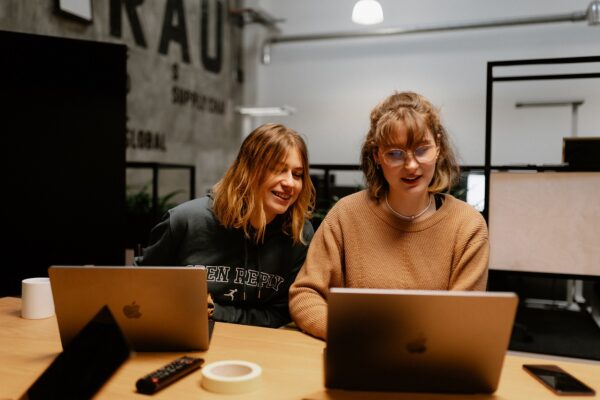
point(251, 232)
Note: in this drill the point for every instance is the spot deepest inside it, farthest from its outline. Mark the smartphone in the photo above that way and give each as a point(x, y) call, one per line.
point(558, 380)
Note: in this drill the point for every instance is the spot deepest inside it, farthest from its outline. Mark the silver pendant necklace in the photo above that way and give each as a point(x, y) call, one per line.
point(408, 217)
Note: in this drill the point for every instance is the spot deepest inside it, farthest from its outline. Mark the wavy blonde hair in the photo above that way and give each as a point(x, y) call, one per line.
point(236, 197)
point(419, 117)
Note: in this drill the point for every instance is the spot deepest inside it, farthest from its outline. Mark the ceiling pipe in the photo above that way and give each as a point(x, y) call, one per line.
point(591, 15)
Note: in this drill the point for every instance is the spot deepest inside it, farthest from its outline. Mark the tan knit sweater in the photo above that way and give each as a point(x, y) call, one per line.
point(360, 243)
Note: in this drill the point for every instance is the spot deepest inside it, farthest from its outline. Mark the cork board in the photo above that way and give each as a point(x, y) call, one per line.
point(545, 222)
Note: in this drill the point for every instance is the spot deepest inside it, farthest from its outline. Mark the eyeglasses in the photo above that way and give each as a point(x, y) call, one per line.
point(398, 157)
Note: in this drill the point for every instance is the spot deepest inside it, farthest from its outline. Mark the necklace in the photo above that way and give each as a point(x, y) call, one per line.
point(408, 217)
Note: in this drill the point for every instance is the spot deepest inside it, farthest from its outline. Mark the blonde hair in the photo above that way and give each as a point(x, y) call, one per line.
point(419, 117)
point(236, 197)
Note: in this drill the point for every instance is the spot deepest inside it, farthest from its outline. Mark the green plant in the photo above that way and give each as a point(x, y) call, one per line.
point(139, 201)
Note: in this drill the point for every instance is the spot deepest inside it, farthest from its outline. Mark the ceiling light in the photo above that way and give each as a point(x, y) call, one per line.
point(593, 13)
point(367, 12)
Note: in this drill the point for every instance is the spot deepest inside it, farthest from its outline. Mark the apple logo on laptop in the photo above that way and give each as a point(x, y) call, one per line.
point(417, 345)
point(132, 310)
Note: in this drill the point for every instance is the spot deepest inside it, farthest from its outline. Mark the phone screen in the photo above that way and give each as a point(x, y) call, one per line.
point(558, 380)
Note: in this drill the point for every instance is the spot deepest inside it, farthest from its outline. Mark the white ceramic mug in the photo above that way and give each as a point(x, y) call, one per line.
point(36, 298)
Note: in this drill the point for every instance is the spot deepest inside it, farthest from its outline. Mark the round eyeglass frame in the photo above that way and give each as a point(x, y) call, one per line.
point(384, 154)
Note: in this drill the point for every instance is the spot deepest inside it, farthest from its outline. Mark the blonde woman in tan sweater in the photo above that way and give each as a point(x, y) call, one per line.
point(401, 232)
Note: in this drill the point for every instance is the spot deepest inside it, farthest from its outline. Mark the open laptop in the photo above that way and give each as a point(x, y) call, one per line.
point(157, 308)
point(417, 341)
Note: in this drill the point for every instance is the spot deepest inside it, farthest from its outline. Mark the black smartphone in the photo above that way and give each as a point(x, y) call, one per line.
point(558, 380)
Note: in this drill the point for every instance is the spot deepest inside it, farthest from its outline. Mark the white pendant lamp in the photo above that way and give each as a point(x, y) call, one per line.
point(367, 12)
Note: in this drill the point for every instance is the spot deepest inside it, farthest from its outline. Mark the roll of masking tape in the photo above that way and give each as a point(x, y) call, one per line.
point(231, 376)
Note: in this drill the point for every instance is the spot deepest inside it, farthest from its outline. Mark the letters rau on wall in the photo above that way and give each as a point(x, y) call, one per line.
point(196, 30)
point(174, 29)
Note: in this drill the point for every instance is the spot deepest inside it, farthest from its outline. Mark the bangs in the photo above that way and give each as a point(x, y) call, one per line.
point(268, 158)
point(274, 158)
point(272, 161)
point(391, 123)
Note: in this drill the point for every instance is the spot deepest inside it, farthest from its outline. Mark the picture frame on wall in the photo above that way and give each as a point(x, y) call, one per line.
point(78, 10)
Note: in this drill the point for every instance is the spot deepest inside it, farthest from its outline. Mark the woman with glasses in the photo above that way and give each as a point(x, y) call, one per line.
point(403, 231)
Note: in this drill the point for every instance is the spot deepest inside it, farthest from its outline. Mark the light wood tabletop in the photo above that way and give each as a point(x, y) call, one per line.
point(291, 362)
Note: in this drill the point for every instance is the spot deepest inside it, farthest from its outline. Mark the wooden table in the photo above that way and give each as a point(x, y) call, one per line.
point(291, 361)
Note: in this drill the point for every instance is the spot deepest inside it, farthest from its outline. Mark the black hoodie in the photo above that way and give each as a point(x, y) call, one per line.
point(248, 282)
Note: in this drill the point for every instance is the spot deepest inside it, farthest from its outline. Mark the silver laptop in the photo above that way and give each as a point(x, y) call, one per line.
point(417, 341)
point(157, 308)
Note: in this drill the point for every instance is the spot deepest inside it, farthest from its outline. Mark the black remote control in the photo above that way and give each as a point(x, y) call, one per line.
point(168, 374)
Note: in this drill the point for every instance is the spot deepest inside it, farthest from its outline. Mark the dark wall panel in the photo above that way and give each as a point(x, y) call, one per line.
point(62, 129)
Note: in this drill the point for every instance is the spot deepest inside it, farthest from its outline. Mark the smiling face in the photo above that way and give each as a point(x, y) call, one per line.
point(282, 185)
point(408, 165)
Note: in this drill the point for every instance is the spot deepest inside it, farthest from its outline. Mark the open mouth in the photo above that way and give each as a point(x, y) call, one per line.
point(412, 179)
point(282, 195)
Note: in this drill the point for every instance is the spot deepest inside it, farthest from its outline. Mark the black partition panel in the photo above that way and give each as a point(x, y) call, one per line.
point(63, 112)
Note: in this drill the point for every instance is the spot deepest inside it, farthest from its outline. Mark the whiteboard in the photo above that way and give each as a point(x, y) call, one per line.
point(545, 222)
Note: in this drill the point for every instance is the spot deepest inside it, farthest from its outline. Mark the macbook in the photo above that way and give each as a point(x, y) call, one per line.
point(157, 308)
point(417, 341)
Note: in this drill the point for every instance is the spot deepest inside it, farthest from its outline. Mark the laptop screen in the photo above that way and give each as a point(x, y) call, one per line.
point(417, 341)
point(158, 308)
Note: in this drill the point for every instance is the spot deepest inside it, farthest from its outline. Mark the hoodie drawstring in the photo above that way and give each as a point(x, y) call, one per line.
point(259, 270)
point(245, 265)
